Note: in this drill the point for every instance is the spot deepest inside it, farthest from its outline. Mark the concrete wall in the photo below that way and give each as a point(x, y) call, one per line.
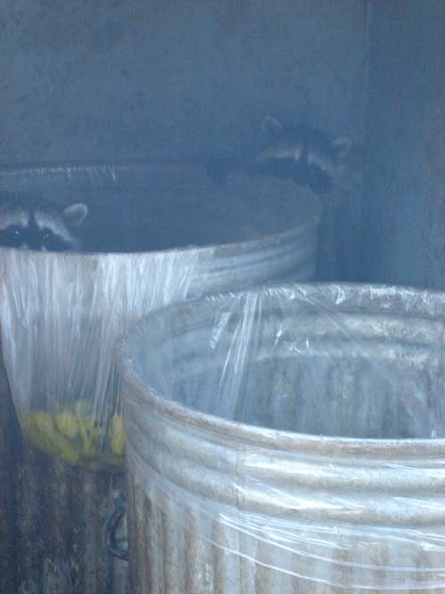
point(404, 199)
point(156, 79)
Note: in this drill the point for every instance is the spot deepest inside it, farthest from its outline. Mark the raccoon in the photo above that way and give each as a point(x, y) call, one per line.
point(307, 156)
point(28, 223)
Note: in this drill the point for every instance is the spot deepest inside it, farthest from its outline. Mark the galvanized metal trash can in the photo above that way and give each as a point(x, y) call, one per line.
point(61, 314)
point(60, 511)
point(290, 440)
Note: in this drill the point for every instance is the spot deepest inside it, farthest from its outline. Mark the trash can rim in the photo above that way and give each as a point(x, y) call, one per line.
point(224, 249)
point(264, 436)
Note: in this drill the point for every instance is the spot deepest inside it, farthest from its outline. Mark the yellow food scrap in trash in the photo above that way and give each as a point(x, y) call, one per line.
point(90, 434)
point(42, 421)
point(75, 435)
point(41, 430)
point(67, 424)
point(83, 408)
point(116, 435)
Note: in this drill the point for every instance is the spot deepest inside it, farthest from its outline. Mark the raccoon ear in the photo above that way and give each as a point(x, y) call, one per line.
point(75, 214)
point(271, 127)
point(341, 146)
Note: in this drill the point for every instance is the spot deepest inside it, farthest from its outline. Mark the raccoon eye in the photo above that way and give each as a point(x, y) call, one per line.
point(51, 242)
point(11, 237)
point(46, 239)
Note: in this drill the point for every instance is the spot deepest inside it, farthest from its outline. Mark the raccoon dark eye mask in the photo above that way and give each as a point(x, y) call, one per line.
point(41, 226)
point(44, 239)
point(11, 236)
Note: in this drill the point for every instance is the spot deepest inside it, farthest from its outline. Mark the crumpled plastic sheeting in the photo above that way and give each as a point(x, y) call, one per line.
point(60, 318)
point(289, 439)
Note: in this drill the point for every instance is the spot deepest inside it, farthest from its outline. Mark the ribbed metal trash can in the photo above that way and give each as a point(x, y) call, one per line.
point(323, 474)
point(58, 512)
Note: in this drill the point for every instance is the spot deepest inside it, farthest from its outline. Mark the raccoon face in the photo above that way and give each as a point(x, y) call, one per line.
point(307, 156)
point(40, 226)
point(304, 154)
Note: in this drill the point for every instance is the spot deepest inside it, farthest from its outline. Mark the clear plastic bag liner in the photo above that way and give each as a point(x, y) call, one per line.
point(298, 430)
point(60, 318)
point(60, 314)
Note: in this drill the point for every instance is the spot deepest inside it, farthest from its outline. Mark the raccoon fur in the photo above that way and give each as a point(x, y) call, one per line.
point(35, 224)
point(307, 156)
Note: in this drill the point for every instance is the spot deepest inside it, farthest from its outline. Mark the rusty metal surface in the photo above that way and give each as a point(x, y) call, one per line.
point(8, 433)
point(324, 476)
point(53, 519)
point(61, 519)
point(56, 522)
